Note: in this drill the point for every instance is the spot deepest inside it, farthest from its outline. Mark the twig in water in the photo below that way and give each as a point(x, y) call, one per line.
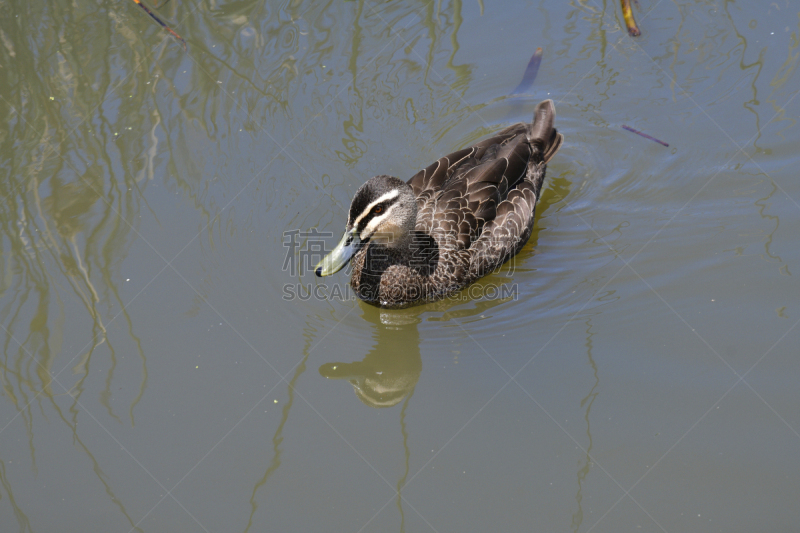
point(163, 25)
point(530, 72)
point(646, 136)
point(627, 14)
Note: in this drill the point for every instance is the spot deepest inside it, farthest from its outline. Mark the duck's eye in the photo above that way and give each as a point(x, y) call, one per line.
point(377, 209)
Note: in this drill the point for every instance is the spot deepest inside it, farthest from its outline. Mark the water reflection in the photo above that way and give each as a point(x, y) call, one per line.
point(99, 106)
point(388, 373)
point(22, 519)
point(309, 336)
point(70, 198)
point(585, 465)
point(390, 370)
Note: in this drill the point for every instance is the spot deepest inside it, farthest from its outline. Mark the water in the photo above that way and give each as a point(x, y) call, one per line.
point(638, 373)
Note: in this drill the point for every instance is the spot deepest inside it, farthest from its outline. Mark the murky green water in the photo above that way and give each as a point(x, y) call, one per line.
point(164, 369)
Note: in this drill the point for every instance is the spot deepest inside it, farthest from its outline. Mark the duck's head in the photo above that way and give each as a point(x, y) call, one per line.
point(383, 211)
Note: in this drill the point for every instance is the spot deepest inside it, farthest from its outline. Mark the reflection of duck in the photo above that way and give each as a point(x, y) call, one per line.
point(452, 223)
point(382, 379)
point(391, 369)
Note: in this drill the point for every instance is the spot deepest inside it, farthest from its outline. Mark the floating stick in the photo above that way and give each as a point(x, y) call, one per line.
point(530, 72)
point(646, 136)
point(627, 14)
point(163, 25)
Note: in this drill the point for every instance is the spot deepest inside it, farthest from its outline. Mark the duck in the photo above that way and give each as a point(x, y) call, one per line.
point(421, 240)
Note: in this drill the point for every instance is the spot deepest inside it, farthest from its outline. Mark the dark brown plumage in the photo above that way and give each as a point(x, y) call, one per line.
point(452, 223)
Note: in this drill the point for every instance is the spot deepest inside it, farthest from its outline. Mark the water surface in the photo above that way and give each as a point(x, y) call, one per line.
point(166, 366)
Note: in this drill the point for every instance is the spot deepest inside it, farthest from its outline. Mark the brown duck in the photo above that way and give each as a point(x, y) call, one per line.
point(452, 223)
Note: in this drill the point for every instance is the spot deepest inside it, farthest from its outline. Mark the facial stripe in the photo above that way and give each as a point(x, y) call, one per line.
point(373, 224)
point(385, 196)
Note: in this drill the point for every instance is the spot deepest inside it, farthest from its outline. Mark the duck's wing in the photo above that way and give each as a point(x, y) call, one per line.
point(435, 176)
point(457, 193)
point(506, 232)
point(470, 194)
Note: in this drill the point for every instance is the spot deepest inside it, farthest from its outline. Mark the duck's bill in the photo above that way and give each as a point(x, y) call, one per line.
point(338, 258)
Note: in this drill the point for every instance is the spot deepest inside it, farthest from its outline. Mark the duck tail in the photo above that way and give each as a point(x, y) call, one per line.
point(542, 134)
